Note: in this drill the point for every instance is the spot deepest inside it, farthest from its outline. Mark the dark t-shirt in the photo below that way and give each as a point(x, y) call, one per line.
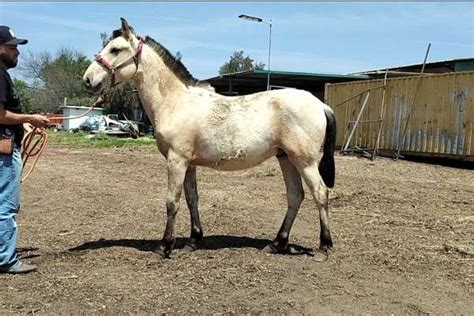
point(11, 102)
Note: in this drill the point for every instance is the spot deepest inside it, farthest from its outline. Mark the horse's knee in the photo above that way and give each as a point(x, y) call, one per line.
point(320, 194)
point(171, 207)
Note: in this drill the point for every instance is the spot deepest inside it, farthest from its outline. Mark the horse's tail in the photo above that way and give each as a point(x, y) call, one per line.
point(327, 167)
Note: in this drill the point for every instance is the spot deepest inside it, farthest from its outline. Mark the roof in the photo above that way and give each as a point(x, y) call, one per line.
point(80, 107)
point(449, 63)
point(252, 81)
point(257, 80)
point(287, 75)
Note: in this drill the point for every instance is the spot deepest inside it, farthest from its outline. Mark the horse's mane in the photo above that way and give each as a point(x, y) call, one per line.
point(173, 64)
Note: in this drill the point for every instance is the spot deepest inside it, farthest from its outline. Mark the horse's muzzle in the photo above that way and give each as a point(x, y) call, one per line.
point(92, 88)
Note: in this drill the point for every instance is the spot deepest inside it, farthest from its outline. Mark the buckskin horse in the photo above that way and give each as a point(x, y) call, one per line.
point(194, 126)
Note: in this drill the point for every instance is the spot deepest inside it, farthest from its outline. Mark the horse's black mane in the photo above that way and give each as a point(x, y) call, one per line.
point(174, 64)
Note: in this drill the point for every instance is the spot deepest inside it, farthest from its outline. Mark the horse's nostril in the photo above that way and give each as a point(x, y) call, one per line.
point(87, 82)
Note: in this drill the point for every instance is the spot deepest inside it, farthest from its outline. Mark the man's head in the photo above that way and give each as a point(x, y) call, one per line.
point(8, 47)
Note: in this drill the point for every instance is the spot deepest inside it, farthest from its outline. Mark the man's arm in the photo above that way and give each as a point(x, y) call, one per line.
point(10, 118)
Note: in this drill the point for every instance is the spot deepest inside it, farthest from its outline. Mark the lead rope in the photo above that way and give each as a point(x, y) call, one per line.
point(36, 149)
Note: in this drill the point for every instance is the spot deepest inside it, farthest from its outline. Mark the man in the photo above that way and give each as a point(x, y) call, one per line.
point(11, 123)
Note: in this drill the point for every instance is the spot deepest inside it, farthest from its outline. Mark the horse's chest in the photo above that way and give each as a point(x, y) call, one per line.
point(180, 141)
point(163, 142)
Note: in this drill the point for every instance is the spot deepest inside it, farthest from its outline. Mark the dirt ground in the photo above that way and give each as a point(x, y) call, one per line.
point(403, 234)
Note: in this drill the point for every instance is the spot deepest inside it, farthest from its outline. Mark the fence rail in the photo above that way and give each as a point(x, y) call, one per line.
point(441, 122)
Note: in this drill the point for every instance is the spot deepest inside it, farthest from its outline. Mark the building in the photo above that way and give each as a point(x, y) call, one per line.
point(419, 116)
point(432, 115)
point(76, 111)
point(437, 67)
point(252, 81)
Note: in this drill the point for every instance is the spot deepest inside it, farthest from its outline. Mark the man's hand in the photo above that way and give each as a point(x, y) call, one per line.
point(38, 120)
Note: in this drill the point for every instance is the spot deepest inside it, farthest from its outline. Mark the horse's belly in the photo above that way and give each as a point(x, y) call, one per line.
point(237, 160)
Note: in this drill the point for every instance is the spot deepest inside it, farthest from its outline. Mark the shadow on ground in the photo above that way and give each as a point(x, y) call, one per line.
point(216, 242)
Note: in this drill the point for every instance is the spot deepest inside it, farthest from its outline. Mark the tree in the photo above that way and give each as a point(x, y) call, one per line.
point(25, 95)
point(104, 37)
point(56, 77)
point(238, 63)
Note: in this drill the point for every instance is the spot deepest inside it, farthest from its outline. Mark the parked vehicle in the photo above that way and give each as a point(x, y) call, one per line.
point(110, 125)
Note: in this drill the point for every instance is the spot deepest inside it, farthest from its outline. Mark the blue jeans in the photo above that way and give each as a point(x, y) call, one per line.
point(10, 175)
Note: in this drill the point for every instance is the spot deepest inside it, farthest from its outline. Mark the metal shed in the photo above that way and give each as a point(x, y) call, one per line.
point(75, 111)
point(252, 81)
point(441, 123)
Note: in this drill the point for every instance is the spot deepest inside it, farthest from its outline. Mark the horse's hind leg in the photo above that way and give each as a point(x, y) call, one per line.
point(176, 173)
point(295, 196)
point(320, 194)
point(192, 198)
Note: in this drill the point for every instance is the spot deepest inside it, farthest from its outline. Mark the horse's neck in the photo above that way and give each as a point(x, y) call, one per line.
point(158, 87)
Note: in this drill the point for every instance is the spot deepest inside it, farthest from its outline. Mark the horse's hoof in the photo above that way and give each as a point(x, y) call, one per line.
point(320, 256)
point(189, 248)
point(270, 249)
point(163, 253)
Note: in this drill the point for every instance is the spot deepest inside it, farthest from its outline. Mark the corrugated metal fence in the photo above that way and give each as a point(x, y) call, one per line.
point(442, 116)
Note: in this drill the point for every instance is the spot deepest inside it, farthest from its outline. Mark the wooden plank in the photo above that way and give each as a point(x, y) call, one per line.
point(437, 125)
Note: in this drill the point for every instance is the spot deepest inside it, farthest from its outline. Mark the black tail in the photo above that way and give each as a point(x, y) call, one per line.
point(327, 167)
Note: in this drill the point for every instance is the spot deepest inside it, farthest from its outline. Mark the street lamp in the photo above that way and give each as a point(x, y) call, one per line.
point(269, 22)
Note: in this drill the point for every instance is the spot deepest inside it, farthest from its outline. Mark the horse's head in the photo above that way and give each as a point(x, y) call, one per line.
point(117, 62)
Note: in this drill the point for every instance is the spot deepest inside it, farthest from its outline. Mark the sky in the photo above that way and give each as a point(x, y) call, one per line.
point(318, 37)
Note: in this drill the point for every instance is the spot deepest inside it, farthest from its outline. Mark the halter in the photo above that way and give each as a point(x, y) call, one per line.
point(111, 69)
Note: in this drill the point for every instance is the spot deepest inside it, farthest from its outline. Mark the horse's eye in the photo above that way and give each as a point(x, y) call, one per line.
point(115, 50)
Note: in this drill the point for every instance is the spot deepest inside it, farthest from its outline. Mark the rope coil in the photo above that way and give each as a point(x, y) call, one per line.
point(31, 148)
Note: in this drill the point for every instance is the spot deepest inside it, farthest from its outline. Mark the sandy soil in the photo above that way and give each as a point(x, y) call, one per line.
point(403, 234)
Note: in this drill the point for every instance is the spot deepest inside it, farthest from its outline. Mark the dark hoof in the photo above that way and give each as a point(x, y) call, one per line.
point(270, 249)
point(326, 248)
point(163, 252)
point(189, 247)
point(321, 256)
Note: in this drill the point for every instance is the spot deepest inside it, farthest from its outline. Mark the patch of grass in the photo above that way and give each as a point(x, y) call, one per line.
point(100, 140)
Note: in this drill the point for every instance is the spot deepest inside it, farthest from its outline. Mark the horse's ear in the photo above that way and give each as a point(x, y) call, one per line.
point(125, 28)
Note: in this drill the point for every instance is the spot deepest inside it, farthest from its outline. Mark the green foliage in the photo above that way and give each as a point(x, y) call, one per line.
point(121, 100)
point(259, 66)
point(25, 95)
point(56, 78)
point(238, 63)
point(104, 38)
point(81, 139)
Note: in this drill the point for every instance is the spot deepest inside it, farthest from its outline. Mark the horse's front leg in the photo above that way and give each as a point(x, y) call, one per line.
point(192, 199)
point(176, 172)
